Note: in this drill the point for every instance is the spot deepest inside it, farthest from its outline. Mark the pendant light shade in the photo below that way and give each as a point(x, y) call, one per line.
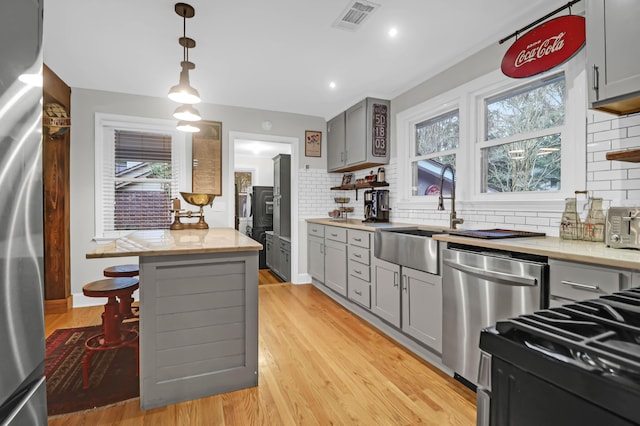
point(187, 112)
point(183, 92)
point(187, 126)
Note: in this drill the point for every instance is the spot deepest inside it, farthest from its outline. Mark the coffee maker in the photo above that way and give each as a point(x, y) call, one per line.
point(376, 205)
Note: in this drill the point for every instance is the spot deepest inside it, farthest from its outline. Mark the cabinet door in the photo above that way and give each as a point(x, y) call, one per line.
point(285, 262)
point(385, 297)
point(613, 69)
point(356, 133)
point(335, 273)
point(269, 249)
point(275, 256)
point(276, 176)
point(277, 215)
point(422, 307)
point(315, 257)
point(336, 142)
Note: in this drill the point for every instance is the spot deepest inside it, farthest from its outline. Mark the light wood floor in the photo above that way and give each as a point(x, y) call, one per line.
point(318, 365)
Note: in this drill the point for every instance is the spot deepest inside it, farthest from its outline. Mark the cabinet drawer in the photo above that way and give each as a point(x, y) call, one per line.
point(336, 234)
point(285, 245)
point(269, 237)
point(359, 292)
point(359, 270)
point(315, 229)
point(577, 281)
point(359, 238)
point(359, 254)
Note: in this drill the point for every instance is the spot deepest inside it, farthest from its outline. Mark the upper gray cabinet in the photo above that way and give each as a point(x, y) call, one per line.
point(359, 137)
point(614, 64)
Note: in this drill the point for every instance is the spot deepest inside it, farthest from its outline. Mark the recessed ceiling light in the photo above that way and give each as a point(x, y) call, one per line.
point(393, 32)
point(332, 85)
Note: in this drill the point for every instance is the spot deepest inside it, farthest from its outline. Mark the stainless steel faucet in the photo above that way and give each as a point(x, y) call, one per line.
point(453, 219)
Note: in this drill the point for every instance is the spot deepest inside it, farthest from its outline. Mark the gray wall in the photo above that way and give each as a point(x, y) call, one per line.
point(84, 105)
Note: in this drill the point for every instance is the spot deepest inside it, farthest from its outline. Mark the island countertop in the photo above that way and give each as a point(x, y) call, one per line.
point(167, 242)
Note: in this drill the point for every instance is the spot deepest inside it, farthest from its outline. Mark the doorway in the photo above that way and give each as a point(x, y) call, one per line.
point(256, 151)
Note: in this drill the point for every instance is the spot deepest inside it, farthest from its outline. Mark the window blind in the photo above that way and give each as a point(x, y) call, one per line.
point(137, 146)
point(140, 177)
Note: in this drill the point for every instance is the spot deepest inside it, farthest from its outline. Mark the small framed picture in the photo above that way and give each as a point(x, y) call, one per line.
point(312, 143)
point(347, 179)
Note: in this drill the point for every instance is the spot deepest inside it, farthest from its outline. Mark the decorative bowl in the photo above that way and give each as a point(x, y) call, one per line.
point(198, 199)
point(342, 199)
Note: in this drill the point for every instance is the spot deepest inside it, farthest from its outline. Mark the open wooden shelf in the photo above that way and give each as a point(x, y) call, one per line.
point(366, 185)
point(630, 155)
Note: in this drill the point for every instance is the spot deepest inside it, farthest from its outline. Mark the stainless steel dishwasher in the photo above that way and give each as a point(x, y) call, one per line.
point(479, 287)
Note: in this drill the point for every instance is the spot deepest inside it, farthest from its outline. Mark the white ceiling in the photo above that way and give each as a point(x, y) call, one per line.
point(278, 54)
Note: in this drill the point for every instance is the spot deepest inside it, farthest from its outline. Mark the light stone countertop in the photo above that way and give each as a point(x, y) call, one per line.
point(368, 226)
point(165, 242)
point(556, 248)
point(553, 247)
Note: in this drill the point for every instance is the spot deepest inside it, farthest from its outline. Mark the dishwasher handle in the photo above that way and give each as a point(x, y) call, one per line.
point(511, 279)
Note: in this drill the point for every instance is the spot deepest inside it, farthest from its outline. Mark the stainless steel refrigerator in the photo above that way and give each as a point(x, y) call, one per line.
point(22, 342)
point(262, 215)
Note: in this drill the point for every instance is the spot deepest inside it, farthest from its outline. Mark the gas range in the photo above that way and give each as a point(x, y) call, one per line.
point(575, 364)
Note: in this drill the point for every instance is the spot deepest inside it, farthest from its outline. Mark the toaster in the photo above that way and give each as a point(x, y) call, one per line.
point(623, 227)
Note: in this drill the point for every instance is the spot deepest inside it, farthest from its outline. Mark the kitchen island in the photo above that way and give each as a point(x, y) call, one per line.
point(198, 311)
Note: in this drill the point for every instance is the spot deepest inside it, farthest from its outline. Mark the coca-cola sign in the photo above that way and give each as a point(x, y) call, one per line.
point(544, 47)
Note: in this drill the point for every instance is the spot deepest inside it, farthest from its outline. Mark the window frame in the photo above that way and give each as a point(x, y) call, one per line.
point(407, 122)
point(470, 98)
point(105, 125)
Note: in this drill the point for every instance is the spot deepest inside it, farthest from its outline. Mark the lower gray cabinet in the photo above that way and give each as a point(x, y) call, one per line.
point(385, 293)
point(422, 307)
point(335, 259)
point(270, 251)
point(335, 273)
point(315, 257)
point(284, 254)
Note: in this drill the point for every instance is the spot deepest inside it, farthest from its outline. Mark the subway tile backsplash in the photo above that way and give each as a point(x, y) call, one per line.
point(617, 182)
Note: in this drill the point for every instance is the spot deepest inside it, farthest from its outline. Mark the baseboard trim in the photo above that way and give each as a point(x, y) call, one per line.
point(58, 306)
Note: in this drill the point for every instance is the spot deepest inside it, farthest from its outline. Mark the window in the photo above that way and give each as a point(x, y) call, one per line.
point(515, 144)
point(138, 172)
point(521, 150)
point(436, 142)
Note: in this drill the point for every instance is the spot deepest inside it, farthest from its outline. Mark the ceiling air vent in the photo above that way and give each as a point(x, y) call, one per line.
point(354, 15)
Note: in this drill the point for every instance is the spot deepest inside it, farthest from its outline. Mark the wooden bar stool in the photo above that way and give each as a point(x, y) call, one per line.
point(112, 336)
point(118, 271)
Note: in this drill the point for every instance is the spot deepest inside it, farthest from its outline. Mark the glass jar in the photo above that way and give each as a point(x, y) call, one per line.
point(594, 225)
point(570, 225)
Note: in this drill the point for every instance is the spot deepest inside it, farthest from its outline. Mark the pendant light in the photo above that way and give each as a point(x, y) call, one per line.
point(187, 126)
point(187, 112)
point(183, 92)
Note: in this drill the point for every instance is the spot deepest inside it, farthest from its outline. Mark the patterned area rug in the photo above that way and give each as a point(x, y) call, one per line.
point(112, 376)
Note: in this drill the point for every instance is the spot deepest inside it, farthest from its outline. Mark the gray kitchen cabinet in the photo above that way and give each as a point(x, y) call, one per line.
point(269, 248)
point(315, 260)
point(359, 267)
point(284, 254)
point(282, 195)
point(363, 141)
point(273, 253)
point(422, 307)
point(336, 142)
point(574, 282)
point(335, 257)
point(613, 66)
point(385, 294)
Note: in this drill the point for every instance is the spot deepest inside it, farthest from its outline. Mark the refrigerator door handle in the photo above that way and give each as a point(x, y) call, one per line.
point(29, 398)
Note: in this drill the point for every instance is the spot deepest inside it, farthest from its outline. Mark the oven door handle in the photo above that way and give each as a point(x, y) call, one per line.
point(504, 278)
